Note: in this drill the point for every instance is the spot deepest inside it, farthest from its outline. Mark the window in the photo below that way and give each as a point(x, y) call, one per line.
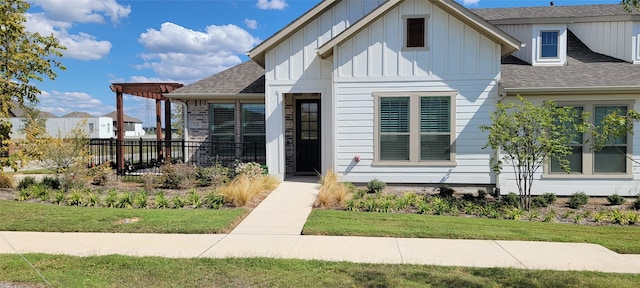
point(253, 128)
point(549, 44)
point(416, 32)
point(90, 127)
point(610, 160)
point(222, 122)
point(416, 127)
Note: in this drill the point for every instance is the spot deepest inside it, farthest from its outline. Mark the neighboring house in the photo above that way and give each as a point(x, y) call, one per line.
point(397, 90)
point(132, 126)
point(95, 127)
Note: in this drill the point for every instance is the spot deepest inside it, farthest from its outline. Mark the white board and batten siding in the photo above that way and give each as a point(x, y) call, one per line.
point(522, 32)
point(614, 38)
point(459, 59)
point(294, 66)
point(565, 186)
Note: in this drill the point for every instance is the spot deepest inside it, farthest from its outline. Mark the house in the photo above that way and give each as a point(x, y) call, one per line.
point(132, 126)
point(397, 90)
point(96, 127)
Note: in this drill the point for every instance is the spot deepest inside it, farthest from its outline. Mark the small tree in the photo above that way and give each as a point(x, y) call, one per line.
point(35, 134)
point(526, 136)
point(68, 155)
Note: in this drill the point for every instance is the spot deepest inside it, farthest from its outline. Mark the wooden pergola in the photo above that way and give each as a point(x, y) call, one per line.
point(150, 91)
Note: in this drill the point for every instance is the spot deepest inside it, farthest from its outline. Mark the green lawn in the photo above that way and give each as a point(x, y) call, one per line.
point(124, 271)
point(23, 216)
point(622, 239)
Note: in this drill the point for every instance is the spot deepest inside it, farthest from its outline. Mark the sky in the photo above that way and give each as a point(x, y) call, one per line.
point(119, 41)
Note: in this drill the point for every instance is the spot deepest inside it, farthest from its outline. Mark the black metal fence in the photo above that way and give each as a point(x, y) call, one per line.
point(140, 154)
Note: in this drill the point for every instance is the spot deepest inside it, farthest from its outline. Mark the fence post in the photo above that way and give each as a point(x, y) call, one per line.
point(140, 152)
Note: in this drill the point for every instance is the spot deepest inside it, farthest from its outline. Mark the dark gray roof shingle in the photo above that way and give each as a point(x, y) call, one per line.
point(584, 68)
point(493, 14)
point(126, 117)
point(247, 77)
point(78, 115)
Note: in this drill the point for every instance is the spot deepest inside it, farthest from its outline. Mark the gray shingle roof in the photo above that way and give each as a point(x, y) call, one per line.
point(247, 77)
point(584, 68)
point(126, 117)
point(78, 115)
point(493, 14)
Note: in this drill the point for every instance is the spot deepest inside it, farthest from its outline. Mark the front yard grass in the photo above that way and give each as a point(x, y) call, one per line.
point(24, 216)
point(125, 271)
point(622, 239)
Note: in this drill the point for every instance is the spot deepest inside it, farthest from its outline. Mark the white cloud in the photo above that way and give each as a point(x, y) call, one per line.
point(83, 11)
point(176, 52)
point(272, 4)
point(470, 2)
point(251, 24)
point(61, 103)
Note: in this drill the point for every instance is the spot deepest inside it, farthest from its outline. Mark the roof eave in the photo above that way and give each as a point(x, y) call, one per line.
point(582, 90)
point(566, 20)
point(214, 96)
point(258, 52)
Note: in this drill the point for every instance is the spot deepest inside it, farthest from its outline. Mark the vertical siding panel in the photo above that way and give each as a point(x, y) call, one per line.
point(326, 23)
point(407, 57)
point(392, 43)
point(346, 59)
point(487, 62)
point(470, 43)
point(270, 57)
point(376, 52)
point(360, 60)
point(355, 11)
point(438, 46)
point(369, 5)
point(311, 59)
point(283, 51)
point(339, 18)
point(297, 55)
point(454, 43)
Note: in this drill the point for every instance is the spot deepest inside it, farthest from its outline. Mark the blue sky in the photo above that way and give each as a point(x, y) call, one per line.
point(113, 41)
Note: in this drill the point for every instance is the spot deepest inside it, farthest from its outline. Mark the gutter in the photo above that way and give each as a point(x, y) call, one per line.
point(583, 90)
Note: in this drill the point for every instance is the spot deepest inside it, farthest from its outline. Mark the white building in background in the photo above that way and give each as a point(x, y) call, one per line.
point(132, 126)
point(94, 127)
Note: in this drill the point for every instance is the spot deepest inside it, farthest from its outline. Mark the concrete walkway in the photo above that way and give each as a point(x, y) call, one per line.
point(273, 230)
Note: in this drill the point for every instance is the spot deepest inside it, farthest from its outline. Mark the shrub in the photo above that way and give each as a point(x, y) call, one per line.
point(148, 181)
point(550, 197)
point(250, 169)
point(376, 186)
point(6, 181)
point(615, 199)
point(24, 195)
point(632, 217)
point(125, 200)
point(26, 182)
point(177, 176)
point(445, 191)
point(636, 204)
point(91, 200)
point(51, 182)
point(212, 176)
point(332, 192)
point(539, 201)
point(102, 175)
point(177, 201)
point(243, 188)
point(512, 199)
point(468, 197)
point(161, 201)
point(213, 200)
point(58, 198)
point(74, 198)
point(140, 200)
point(577, 200)
point(39, 191)
point(618, 217)
point(111, 199)
point(482, 194)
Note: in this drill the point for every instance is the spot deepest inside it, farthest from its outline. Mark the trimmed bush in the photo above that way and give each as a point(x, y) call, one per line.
point(26, 182)
point(212, 176)
point(161, 201)
point(375, 186)
point(511, 199)
point(177, 176)
point(213, 200)
point(482, 194)
point(636, 204)
point(578, 200)
point(445, 191)
point(249, 169)
point(51, 182)
point(550, 197)
point(539, 201)
point(6, 181)
point(615, 199)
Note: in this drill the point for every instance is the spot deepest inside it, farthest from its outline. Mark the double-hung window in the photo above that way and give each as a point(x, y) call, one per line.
point(548, 44)
point(610, 160)
point(222, 119)
point(414, 127)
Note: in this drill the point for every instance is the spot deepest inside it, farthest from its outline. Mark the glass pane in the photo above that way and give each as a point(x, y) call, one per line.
point(394, 114)
point(575, 162)
point(304, 126)
point(253, 119)
point(435, 147)
point(610, 159)
point(313, 135)
point(394, 147)
point(222, 138)
point(304, 135)
point(313, 126)
point(602, 111)
point(222, 119)
point(434, 114)
point(549, 44)
point(313, 116)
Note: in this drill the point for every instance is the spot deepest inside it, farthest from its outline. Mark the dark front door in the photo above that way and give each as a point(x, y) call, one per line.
point(308, 136)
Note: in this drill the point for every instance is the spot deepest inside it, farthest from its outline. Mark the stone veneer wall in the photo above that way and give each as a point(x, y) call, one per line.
point(289, 132)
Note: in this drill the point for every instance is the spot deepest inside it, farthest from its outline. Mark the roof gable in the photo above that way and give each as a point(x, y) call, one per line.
point(557, 14)
point(508, 42)
point(126, 117)
point(258, 52)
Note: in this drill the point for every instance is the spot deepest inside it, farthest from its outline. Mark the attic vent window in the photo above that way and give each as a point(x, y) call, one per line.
point(416, 32)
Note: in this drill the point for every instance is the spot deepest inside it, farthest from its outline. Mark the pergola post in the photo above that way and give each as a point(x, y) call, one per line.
point(159, 129)
point(120, 132)
point(167, 130)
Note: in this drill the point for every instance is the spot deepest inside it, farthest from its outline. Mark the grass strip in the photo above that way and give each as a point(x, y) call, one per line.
point(126, 271)
point(24, 216)
point(622, 239)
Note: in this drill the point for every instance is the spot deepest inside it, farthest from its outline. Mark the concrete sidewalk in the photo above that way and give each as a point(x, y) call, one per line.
point(273, 230)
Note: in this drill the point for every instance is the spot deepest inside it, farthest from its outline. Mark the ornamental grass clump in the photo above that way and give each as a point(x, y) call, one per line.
point(243, 188)
point(332, 192)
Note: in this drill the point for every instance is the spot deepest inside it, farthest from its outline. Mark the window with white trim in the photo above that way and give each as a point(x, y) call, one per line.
point(414, 127)
point(610, 160)
point(549, 44)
